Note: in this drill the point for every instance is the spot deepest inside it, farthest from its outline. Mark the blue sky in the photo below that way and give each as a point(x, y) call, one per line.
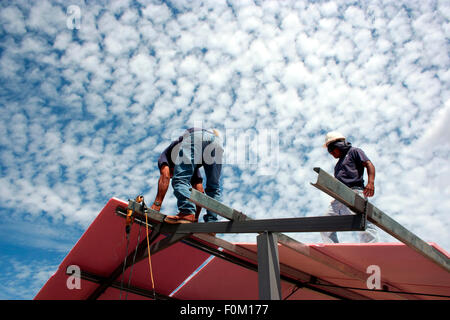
point(89, 99)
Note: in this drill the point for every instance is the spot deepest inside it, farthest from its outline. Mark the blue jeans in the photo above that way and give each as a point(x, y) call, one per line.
point(200, 148)
point(336, 208)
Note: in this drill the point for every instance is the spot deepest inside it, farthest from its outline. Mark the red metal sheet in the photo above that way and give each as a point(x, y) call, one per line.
point(103, 247)
point(116, 294)
point(400, 266)
point(170, 267)
point(223, 280)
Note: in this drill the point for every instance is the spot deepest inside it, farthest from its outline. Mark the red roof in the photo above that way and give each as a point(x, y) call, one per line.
point(102, 248)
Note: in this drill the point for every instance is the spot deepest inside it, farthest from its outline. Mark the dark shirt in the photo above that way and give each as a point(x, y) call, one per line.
point(165, 156)
point(350, 169)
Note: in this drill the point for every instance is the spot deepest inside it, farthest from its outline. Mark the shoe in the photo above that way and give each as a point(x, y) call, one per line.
point(180, 218)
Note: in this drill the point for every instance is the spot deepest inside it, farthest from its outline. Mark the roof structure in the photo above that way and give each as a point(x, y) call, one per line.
point(187, 263)
point(184, 271)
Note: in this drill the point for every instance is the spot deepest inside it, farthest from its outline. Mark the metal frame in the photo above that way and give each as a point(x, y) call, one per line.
point(268, 267)
point(210, 204)
point(304, 224)
point(266, 261)
point(116, 284)
point(248, 259)
point(268, 264)
point(240, 256)
point(358, 204)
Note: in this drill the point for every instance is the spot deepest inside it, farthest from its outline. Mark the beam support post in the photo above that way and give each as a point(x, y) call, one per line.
point(268, 267)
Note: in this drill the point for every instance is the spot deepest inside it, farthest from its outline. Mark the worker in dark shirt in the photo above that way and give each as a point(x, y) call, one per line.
point(198, 148)
point(350, 170)
point(166, 166)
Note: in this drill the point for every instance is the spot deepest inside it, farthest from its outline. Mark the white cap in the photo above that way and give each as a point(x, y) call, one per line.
point(216, 132)
point(333, 136)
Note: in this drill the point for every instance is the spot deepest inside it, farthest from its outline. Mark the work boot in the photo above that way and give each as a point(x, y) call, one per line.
point(181, 218)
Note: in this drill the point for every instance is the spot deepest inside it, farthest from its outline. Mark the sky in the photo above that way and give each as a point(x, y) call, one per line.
point(92, 91)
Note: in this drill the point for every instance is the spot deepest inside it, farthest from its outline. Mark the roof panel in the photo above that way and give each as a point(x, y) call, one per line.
point(102, 248)
point(399, 265)
point(223, 280)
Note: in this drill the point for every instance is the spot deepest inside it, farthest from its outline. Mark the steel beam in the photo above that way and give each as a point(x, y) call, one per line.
point(303, 280)
point(249, 260)
point(131, 289)
point(242, 256)
point(213, 205)
point(358, 204)
point(304, 224)
point(269, 284)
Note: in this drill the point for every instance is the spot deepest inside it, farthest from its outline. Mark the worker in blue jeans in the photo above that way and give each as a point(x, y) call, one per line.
point(199, 147)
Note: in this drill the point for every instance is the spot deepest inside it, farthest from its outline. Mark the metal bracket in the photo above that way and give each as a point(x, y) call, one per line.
point(360, 202)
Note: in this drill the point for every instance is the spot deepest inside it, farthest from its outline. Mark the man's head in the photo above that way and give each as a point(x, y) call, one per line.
point(334, 150)
point(334, 141)
point(216, 132)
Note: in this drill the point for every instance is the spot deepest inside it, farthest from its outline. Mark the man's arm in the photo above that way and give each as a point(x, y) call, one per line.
point(369, 190)
point(163, 186)
point(199, 187)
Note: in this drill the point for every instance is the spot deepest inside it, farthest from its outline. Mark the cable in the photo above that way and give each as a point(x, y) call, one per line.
point(385, 291)
point(134, 260)
point(124, 265)
point(294, 290)
point(149, 256)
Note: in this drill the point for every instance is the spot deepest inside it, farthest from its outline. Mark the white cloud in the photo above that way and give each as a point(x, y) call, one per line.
point(82, 101)
point(13, 20)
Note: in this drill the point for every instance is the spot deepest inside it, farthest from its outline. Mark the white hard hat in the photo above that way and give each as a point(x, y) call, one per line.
point(216, 132)
point(333, 136)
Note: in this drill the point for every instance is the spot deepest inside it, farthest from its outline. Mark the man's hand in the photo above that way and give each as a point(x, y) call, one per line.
point(369, 190)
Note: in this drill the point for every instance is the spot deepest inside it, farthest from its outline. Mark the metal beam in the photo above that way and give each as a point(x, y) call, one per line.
point(131, 289)
point(249, 260)
point(304, 224)
point(242, 256)
point(269, 284)
point(288, 274)
point(213, 205)
point(153, 216)
point(358, 204)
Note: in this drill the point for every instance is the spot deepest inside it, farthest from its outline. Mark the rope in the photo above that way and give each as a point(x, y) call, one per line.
point(134, 260)
point(382, 290)
point(124, 265)
point(134, 257)
point(149, 258)
point(296, 288)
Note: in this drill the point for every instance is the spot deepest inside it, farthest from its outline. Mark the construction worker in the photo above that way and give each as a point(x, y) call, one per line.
point(198, 148)
point(166, 166)
point(349, 170)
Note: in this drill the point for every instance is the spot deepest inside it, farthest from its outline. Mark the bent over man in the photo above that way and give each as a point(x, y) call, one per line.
point(166, 167)
point(349, 170)
point(198, 148)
